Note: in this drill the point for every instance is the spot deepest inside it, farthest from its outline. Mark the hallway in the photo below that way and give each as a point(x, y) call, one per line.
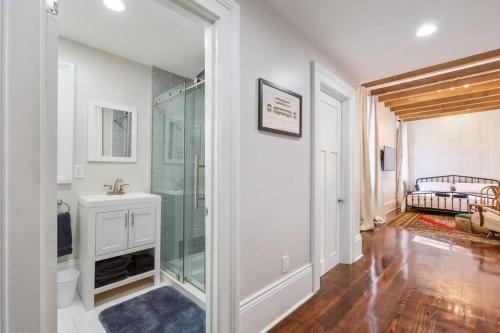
point(406, 282)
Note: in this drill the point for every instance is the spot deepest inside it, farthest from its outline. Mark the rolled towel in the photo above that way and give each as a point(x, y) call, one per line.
point(115, 264)
point(141, 260)
point(64, 237)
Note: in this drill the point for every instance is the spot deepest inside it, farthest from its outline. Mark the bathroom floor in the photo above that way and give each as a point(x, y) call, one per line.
point(75, 319)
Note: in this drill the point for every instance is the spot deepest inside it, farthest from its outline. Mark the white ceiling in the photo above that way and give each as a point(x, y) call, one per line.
point(373, 39)
point(146, 32)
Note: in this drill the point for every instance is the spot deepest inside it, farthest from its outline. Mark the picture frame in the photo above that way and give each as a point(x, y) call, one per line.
point(280, 110)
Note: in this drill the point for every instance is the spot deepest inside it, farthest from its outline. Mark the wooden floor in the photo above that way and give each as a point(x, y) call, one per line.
point(403, 284)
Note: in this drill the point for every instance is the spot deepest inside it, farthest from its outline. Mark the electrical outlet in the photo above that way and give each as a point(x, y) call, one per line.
point(78, 171)
point(285, 264)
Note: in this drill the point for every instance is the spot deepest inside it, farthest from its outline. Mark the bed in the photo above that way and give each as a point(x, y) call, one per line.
point(447, 194)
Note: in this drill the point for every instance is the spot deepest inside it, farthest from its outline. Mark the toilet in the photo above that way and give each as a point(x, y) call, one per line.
point(67, 281)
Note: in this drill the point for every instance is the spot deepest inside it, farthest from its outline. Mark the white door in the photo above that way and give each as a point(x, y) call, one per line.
point(142, 226)
point(328, 152)
point(111, 232)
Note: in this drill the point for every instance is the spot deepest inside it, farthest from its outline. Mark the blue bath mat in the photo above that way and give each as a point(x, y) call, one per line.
point(163, 310)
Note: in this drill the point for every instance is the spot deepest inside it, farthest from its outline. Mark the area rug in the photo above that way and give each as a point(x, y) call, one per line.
point(438, 225)
point(163, 310)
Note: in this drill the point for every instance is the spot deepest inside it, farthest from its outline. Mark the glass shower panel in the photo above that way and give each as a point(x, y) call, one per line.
point(194, 195)
point(168, 161)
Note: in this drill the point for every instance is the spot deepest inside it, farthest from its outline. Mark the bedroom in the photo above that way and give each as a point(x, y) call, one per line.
point(438, 124)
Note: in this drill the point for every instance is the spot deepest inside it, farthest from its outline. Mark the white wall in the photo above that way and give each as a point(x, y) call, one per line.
point(275, 169)
point(388, 126)
point(105, 77)
point(463, 145)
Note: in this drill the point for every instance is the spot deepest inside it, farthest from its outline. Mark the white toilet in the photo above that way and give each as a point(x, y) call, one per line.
point(67, 281)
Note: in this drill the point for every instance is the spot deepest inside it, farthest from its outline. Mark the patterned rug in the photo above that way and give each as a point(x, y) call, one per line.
point(436, 224)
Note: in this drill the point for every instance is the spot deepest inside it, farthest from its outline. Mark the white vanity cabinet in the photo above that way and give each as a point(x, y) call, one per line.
point(113, 226)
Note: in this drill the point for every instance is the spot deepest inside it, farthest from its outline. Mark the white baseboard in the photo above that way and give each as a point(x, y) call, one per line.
point(265, 308)
point(357, 248)
point(390, 206)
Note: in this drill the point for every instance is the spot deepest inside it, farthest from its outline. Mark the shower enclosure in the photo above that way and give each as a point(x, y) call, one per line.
point(178, 176)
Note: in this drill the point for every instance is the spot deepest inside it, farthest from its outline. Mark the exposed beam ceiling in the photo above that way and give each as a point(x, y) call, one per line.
point(445, 93)
point(461, 86)
point(397, 105)
point(439, 87)
point(445, 106)
point(465, 111)
point(411, 113)
point(435, 68)
point(491, 66)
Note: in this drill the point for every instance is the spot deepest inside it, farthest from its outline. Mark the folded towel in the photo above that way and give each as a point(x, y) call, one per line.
point(143, 259)
point(64, 237)
point(107, 276)
point(102, 283)
point(133, 269)
point(115, 264)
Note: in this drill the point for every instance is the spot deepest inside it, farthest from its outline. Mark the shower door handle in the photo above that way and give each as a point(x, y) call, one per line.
point(196, 180)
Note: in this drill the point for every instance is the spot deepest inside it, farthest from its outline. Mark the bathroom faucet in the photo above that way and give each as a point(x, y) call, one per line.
point(117, 188)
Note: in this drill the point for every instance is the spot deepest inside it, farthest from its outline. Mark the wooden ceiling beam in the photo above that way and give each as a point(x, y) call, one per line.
point(411, 113)
point(438, 87)
point(461, 73)
point(445, 102)
point(435, 68)
point(447, 114)
point(444, 106)
point(446, 93)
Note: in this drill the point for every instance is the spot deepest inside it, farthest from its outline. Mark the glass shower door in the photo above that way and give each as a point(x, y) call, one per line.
point(194, 195)
point(167, 176)
point(178, 176)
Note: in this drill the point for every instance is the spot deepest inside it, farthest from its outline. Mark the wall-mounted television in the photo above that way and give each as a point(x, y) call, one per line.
point(388, 157)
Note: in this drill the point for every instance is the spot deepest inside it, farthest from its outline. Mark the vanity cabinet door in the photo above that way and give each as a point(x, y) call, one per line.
point(111, 232)
point(142, 228)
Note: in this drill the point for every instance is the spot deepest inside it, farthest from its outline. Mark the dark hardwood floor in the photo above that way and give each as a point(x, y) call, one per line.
point(401, 285)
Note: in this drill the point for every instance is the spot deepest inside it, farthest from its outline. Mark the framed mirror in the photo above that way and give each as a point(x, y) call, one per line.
point(112, 133)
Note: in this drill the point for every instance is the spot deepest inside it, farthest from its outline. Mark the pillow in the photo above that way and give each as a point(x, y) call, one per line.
point(470, 187)
point(435, 187)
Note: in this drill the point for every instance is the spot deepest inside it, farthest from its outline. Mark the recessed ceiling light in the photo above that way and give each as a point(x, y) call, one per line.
point(426, 30)
point(115, 5)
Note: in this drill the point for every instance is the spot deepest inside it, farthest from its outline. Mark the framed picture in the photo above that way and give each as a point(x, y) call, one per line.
point(280, 110)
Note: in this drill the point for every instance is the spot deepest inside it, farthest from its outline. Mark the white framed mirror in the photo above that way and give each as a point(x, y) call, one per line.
point(112, 132)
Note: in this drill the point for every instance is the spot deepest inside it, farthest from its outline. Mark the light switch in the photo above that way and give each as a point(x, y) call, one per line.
point(78, 171)
point(285, 264)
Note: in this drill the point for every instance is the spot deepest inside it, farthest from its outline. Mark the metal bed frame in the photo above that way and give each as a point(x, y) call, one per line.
point(464, 198)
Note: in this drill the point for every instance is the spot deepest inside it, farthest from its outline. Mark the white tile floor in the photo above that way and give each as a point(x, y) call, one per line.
point(75, 319)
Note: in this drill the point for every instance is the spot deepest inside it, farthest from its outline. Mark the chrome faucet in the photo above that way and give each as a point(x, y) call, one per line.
point(117, 188)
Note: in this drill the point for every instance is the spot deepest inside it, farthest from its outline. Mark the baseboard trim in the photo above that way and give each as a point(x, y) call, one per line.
point(390, 206)
point(358, 248)
point(268, 306)
point(285, 314)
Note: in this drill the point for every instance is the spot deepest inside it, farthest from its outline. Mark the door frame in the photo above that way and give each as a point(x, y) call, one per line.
point(323, 80)
point(222, 48)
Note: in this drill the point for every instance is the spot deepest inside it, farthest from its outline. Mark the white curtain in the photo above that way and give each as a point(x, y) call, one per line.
point(372, 203)
point(402, 165)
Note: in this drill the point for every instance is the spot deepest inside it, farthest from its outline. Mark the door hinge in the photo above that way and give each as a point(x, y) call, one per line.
point(52, 7)
point(206, 211)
